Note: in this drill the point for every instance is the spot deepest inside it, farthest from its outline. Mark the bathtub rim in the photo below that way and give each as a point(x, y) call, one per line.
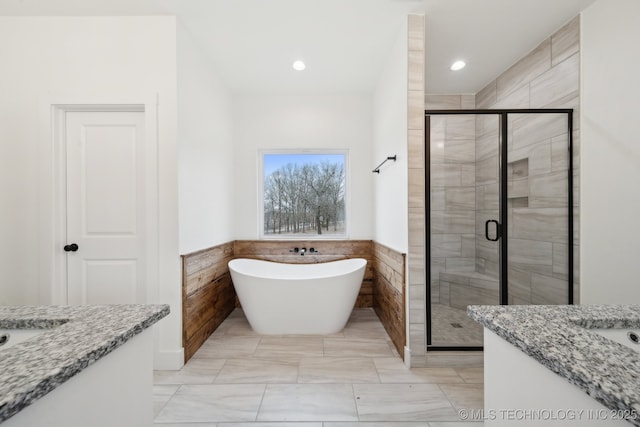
point(358, 263)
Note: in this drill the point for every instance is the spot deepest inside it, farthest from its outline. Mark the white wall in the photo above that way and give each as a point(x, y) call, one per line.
point(610, 153)
point(281, 122)
point(97, 59)
point(205, 150)
point(389, 138)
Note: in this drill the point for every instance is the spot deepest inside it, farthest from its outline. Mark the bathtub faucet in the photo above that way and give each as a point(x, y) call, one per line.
point(302, 251)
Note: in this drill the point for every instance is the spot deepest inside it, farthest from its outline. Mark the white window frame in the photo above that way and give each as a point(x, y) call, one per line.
point(347, 195)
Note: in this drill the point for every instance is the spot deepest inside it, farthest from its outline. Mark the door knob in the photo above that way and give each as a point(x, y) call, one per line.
point(70, 248)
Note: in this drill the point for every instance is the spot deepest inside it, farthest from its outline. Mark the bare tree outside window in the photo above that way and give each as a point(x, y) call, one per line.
point(304, 194)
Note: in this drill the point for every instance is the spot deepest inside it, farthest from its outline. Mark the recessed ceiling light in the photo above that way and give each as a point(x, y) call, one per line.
point(458, 65)
point(299, 65)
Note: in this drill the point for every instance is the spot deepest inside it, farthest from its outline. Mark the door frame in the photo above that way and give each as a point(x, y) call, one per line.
point(53, 208)
point(503, 150)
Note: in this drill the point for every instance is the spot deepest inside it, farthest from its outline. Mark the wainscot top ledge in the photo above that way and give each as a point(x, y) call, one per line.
point(560, 338)
point(74, 338)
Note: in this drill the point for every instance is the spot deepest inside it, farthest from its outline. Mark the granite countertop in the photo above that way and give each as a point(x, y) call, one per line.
point(559, 337)
point(75, 338)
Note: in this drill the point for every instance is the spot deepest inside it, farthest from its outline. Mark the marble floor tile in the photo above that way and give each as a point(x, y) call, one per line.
point(464, 396)
point(457, 424)
point(289, 347)
point(355, 347)
point(308, 402)
point(213, 403)
point(187, 424)
point(161, 395)
point(337, 370)
point(403, 402)
point(257, 371)
point(378, 424)
point(394, 371)
point(470, 375)
point(277, 424)
point(199, 371)
point(227, 347)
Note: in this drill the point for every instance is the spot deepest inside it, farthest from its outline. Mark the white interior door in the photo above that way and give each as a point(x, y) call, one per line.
point(105, 162)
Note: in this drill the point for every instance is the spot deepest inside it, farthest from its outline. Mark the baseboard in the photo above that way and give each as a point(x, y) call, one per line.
point(407, 356)
point(168, 360)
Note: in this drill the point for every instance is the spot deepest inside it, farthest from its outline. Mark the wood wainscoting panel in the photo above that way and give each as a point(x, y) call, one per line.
point(208, 296)
point(327, 250)
point(389, 293)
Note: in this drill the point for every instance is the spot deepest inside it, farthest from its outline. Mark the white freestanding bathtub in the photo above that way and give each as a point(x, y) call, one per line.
point(300, 299)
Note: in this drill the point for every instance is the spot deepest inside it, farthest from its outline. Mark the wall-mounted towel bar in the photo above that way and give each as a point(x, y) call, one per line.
point(377, 169)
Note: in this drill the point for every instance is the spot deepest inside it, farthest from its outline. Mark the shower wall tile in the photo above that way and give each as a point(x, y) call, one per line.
point(548, 191)
point(467, 102)
point(560, 260)
point(446, 245)
point(533, 128)
point(560, 153)
point(459, 150)
point(487, 197)
point(445, 292)
point(415, 33)
point(525, 70)
point(416, 147)
point(462, 296)
point(487, 124)
point(461, 264)
point(415, 70)
point(416, 188)
point(461, 127)
point(468, 245)
point(518, 188)
point(540, 224)
point(453, 222)
point(417, 227)
point(441, 102)
point(561, 83)
point(566, 41)
point(488, 144)
point(519, 98)
point(548, 290)
point(467, 174)
point(520, 284)
point(437, 198)
point(531, 255)
point(416, 184)
point(460, 198)
point(487, 170)
point(445, 175)
point(486, 249)
point(415, 109)
point(487, 96)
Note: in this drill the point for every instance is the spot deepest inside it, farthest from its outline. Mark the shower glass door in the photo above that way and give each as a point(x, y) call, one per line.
point(463, 174)
point(537, 206)
point(499, 218)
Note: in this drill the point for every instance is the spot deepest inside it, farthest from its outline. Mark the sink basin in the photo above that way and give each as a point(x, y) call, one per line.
point(626, 337)
point(11, 337)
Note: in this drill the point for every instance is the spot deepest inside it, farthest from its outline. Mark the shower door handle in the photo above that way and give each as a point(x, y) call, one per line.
point(486, 230)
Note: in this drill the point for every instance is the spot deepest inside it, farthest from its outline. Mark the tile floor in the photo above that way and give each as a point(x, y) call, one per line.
point(353, 378)
point(452, 327)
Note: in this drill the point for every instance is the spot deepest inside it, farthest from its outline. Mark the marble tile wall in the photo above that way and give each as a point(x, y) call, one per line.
point(416, 338)
point(453, 173)
point(548, 77)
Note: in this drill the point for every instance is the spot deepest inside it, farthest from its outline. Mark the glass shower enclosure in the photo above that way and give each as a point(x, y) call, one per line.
point(499, 215)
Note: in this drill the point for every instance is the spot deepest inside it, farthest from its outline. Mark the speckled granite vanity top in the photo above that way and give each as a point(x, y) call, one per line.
point(75, 338)
point(559, 337)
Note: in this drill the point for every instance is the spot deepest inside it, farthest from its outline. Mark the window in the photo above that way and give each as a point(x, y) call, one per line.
point(303, 194)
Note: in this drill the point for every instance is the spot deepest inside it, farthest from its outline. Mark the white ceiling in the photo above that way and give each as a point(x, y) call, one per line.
point(252, 43)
